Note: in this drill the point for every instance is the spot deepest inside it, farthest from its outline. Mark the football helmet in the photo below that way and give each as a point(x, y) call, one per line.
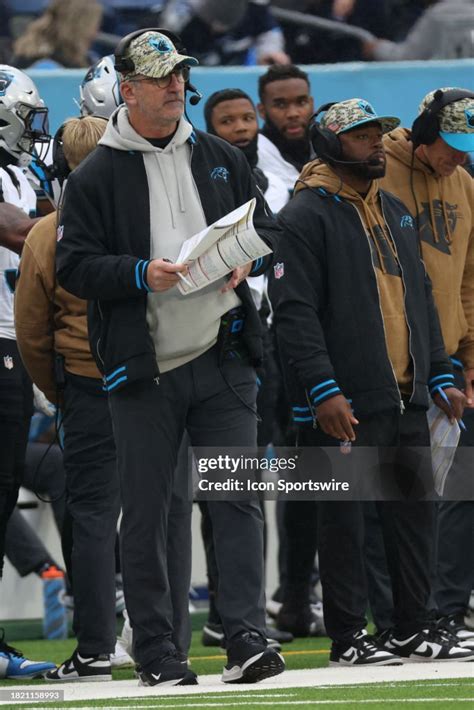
point(99, 90)
point(23, 117)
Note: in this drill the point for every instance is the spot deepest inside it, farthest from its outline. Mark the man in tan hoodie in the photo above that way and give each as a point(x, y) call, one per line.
point(425, 170)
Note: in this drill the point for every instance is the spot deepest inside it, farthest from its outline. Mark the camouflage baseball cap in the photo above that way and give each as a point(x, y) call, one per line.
point(456, 120)
point(346, 115)
point(155, 55)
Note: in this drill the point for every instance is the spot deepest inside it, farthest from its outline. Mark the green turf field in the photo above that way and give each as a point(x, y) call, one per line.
point(432, 695)
point(301, 654)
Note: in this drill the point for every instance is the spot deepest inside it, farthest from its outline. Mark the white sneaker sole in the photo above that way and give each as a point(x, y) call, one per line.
point(81, 679)
point(262, 665)
point(411, 659)
point(386, 662)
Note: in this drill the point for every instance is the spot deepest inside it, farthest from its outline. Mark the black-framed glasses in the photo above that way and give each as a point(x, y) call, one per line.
point(162, 82)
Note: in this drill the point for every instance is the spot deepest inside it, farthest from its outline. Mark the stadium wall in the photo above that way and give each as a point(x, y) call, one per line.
point(394, 88)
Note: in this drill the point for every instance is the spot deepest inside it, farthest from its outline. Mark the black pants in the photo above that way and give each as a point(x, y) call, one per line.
point(44, 474)
point(149, 421)
point(16, 407)
point(455, 530)
point(408, 532)
point(93, 502)
point(453, 572)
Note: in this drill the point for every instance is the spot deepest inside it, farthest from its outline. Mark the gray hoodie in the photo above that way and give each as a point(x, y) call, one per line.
point(182, 327)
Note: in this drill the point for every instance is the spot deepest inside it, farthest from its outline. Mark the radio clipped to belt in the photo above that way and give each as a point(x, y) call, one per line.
point(229, 339)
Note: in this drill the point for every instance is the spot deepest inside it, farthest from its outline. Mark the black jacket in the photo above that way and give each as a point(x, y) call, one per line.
point(328, 318)
point(104, 247)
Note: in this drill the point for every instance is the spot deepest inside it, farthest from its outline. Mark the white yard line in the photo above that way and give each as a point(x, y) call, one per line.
point(351, 702)
point(317, 677)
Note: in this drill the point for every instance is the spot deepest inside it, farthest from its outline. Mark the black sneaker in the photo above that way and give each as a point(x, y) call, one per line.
point(301, 621)
point(167, 670)
point(454, 624)
point(428, 645)
point(79, 668)
point(361, 650)
point(213, 635)
point(250, 660)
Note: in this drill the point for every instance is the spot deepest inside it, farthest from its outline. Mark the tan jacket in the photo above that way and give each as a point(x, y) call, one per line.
point(48, 319)
point(445, 211)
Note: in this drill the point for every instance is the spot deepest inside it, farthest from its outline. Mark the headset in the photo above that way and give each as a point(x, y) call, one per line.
point(60, 167)
point(425, 129)
point(326, 143)
point(126, 65)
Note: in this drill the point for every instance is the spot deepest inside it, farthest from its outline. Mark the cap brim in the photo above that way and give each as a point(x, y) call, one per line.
point(156, 69)
point(460, 141)
point(388, 123)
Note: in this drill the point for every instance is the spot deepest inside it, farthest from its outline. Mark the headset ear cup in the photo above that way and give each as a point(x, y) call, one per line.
point(325, 143)
point(60, 165)
point(425, 129)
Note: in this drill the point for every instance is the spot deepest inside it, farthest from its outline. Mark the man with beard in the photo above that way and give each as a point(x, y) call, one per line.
point(231, 115)
point(286, 108)
point(360, 343)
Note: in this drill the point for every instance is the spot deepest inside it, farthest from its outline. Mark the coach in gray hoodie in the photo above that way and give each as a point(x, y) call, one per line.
point(167, 360)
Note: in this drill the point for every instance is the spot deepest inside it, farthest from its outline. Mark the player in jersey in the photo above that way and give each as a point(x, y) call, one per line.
point(23, 124)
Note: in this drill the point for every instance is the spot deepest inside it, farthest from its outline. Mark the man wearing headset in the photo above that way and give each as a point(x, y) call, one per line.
point(360, 340)
point(153, 182)
point(425, 170)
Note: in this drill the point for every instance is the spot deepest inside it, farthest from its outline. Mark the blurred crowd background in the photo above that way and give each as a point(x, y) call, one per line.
point(74, 33)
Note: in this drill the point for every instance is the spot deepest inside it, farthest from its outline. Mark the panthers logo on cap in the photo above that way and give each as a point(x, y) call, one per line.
point(161, 44)
point(366, 108)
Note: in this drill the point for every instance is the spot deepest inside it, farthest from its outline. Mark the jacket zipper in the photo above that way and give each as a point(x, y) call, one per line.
point(98, 341)
point(401, 403)
point(410, 335)
point(311, 409)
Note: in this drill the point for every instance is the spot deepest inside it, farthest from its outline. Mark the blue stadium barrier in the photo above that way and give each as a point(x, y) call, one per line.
point(394, 88)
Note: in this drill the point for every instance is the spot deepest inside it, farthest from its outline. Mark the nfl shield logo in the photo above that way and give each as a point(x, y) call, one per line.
point(8, 362)
point(279, 270)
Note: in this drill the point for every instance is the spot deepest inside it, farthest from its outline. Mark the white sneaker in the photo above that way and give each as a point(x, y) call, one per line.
point(428, 645)
point(361, 650)
point(120, 658)
point(126, 638)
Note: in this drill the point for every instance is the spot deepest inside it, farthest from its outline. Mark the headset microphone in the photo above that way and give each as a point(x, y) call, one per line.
point(371, 162)
point(194, 100)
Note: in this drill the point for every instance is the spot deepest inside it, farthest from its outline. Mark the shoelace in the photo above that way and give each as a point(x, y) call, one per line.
point(434, 634)
point(251, 636)
point(366, 641)
point(454, 624)
point(9, 649)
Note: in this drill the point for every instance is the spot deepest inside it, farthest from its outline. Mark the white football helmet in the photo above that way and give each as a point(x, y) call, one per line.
point(23, 116)
point(99, 90)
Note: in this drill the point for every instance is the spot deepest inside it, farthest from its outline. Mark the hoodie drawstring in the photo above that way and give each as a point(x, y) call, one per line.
point(448, 233)
point(182, 207)
point(170, 203)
